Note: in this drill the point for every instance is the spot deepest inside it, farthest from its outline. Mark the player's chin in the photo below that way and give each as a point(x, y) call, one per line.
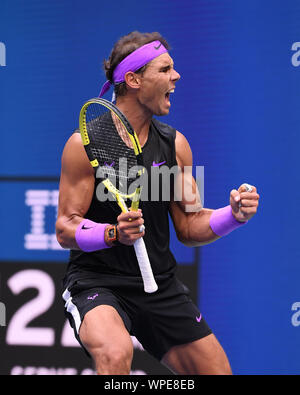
point(163, 110)
point(162, 113)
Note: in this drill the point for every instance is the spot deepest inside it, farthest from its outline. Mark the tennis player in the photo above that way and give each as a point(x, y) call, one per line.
point(104, 296)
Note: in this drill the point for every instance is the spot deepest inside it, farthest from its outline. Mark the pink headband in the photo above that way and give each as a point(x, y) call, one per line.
point(133, 62)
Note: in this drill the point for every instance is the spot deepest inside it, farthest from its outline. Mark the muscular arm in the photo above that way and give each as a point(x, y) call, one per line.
point(75, 191)
point(190, 219)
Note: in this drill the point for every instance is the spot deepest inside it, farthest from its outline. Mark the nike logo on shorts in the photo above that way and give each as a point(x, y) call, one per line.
point(92, 297)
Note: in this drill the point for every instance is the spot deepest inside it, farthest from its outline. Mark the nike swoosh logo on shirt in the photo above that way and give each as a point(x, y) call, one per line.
point(158, 164)
point(111, 165)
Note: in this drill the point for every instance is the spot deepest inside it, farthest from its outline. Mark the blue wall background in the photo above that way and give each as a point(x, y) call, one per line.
point(237, 103)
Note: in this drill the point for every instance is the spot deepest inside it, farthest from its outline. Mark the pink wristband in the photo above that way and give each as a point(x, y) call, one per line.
point(90, 236)
point(223, 222)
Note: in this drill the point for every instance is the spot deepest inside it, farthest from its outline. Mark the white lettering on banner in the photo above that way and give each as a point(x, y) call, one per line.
point(296, 56)
point(2, 55)
point(42, 371)
point(18, 331)
point(296, 316)
point(66, 371)
point(38, 201)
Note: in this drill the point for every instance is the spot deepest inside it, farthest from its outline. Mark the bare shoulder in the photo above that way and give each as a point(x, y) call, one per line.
point(74, 146)
point(76, 189)
point(74, 158)
point(183, 150)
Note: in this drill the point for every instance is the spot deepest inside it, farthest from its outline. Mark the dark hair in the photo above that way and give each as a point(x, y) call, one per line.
point(124, 47)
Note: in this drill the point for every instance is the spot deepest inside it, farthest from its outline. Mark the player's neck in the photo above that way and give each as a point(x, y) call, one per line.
point(138, 116)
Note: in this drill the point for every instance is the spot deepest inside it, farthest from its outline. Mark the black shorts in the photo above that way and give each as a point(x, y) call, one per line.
point(159, 321)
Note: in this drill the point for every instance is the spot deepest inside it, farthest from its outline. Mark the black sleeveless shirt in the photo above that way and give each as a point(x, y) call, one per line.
point(159, 149)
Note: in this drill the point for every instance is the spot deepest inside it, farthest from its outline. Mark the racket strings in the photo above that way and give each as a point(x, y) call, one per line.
point(110, 143)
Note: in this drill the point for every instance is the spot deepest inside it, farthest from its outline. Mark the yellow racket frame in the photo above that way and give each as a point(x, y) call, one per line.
point(136, 147)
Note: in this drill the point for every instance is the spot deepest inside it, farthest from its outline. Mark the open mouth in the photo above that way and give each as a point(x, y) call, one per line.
point(168, 93)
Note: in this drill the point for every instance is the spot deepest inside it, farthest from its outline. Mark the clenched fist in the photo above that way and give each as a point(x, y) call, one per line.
point(130, 227)
point(244, 202)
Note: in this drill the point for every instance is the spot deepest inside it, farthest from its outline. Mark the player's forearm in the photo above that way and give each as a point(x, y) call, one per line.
point(78, 233)
point(66, 230)
point(197, 231)
point(207, 225)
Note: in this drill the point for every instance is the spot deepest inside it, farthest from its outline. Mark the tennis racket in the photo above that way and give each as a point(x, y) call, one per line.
point(109, 139)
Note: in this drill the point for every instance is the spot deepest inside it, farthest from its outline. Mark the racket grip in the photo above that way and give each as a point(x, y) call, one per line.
point(150, 285)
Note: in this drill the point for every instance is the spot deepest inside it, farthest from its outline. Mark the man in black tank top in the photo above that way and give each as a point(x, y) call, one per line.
point(104, 297)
